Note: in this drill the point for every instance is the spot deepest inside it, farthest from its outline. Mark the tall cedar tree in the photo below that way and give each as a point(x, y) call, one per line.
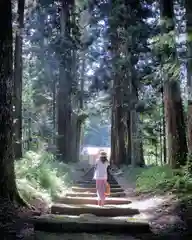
point(126, 140)
point(65, 83)
point(174, 116)
point(8, 188)
point(188, 5)
point(18, 80)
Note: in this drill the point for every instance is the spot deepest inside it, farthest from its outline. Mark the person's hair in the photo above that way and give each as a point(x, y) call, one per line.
point(103, 159)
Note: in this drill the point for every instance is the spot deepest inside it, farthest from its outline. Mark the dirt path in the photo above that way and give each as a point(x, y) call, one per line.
point(162, 211)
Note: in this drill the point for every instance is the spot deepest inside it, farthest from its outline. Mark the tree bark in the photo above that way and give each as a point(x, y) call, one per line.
point(137, 158)
point(18, 80)
point(114, 158)
point(119, 128)
point(77, 117)
point(65, 86)
point(174, 116)
point(8, 188)
point(136, 141)
point(128, 137)
point(188, 5)
point(118, 154)
point(54, 109)
point(164, 130)
point(81, 118)
point(177, 147)
point(113, 136)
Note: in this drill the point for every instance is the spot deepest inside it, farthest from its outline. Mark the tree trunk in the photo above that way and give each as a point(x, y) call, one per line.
point(160, 138)
point(18, 81)
point(113, 136)
point(74, 136)
point(175, 124)
point(141, 160)
point(120, 137)
point(174, 116)
point(65, 85)
point(114, 126)
point(188, 7)
point(81, 118)
point(136, 158)
point(8, 188)
point(78, 138)
point(119, 128)
point(125, 140)
point(128, 138)
point(54, 109)
point(118, 154)
point(164, 130)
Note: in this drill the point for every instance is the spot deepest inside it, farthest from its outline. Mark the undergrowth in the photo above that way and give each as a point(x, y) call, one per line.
point(41, 176)
point(161, 179)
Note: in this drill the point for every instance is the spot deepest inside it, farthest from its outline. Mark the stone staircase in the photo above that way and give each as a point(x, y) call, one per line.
point(77, 212)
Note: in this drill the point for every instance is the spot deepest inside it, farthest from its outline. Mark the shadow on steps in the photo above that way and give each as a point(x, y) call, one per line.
point(92, 224)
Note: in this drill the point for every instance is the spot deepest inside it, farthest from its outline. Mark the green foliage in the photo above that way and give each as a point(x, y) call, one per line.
point(154, 178)
point(40, 175)
point(161, 179)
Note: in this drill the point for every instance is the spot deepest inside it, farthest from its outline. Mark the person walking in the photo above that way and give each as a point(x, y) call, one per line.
point(101, 176)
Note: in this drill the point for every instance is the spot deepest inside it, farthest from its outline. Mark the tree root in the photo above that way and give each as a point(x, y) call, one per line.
point(22, 202)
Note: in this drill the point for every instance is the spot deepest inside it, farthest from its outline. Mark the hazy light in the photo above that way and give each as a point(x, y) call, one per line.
point(90, 72)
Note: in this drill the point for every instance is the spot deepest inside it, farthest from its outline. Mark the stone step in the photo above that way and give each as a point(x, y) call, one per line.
point(93, 185)
point(106, 211)
point(92, 200)
point(55, 223)
point(89, 173)
point(93, 190)
point(89, 194)
point(40, 235)
point(92, 180)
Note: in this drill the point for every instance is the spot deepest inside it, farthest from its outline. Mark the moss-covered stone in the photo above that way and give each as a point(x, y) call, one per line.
point(88, 224)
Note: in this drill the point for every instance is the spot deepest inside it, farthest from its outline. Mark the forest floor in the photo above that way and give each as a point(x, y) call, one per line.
point(163, 211)
point(167, 216)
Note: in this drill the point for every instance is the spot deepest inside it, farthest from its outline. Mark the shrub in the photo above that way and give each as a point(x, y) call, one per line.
point(161, 178)
point(40, 175)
